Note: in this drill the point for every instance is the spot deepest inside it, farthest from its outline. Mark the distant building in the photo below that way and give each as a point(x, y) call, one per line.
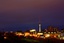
point(56, 29)
point(39, 27)
point(50, 29)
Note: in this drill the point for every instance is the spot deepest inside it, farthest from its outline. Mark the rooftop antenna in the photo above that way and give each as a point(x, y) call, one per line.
point(40, 24)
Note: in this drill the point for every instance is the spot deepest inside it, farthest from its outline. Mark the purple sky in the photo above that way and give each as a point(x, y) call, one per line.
point(26, 14)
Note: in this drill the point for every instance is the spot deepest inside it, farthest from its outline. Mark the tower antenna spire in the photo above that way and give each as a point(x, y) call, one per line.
point(40, 21)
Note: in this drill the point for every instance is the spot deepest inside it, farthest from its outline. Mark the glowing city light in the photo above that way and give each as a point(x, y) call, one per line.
point(26, 34)
point(5, 37)
point(49, 32)
point(55, 36)
point(47, 35)
point(59, 36)
point(18, 34)
point(32, 30)
point(34, 35)
point(54, 32)
point(63, 38)
point(39, 33)
point(31, 35)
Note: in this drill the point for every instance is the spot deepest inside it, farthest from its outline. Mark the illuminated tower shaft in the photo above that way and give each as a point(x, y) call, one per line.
point(39, 27)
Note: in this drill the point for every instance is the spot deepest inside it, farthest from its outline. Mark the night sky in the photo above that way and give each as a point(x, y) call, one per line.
point(26, 14)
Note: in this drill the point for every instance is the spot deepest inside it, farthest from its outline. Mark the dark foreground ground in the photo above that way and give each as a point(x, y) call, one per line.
point(11, 38)
point(30, 40)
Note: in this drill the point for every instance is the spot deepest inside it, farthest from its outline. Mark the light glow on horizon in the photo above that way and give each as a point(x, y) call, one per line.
point(47, 35)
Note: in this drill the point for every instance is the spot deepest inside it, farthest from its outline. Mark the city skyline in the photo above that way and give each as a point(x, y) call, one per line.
point(39, 28)
point(26, 14)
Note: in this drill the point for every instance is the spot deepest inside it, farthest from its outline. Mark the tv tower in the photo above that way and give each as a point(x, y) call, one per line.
point(40, 21)
point(39, 27)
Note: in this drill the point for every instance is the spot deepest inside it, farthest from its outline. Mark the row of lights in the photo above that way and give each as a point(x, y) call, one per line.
point(39, 34)
point(36, 35)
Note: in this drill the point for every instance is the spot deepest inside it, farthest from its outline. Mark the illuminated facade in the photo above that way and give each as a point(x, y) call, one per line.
point(39, 27)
